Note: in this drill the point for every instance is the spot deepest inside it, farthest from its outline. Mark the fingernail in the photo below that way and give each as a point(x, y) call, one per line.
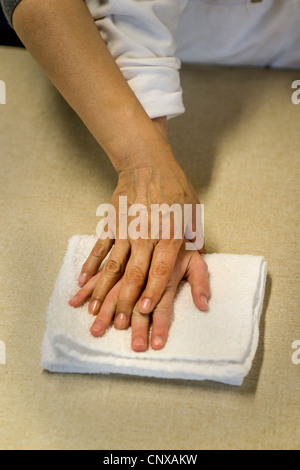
point(94, 307)
point(158, 342)
point(121, 321)
point(139, 344)
point(204, 300)
point(82, 279)
point(97, 329)
point(145, 306)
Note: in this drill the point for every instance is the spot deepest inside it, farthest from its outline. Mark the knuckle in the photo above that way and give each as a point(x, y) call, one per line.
point(96, 296)
point(170, 289)
point(163, 311)
point(134, 275)
point(160, 269)
point(137, 317)
point(135, 313)
point(113, 267)
point(98, 251)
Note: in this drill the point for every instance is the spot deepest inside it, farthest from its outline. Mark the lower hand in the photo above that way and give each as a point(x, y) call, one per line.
point(189, 265)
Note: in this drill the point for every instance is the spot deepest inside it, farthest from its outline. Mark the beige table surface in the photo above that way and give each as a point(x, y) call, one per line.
point(239, 143)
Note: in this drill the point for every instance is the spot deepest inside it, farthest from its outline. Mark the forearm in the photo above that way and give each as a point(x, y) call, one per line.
point(67, 45)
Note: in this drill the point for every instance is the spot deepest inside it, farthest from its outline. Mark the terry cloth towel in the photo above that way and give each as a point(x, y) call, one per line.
point(219, 345)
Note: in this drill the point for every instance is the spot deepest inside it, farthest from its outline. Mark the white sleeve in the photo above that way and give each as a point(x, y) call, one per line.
point(140, 35)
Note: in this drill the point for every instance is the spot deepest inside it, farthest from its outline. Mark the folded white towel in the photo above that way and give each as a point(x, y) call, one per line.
point(219, 345)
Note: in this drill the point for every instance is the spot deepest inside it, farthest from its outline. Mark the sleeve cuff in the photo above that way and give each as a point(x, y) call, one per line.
point(157, 88)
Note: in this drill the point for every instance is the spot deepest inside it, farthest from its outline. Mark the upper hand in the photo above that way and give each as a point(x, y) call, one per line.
point(145, 265)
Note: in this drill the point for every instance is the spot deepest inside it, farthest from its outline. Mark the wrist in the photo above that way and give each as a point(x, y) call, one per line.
point(161, 124)
point(143, 143)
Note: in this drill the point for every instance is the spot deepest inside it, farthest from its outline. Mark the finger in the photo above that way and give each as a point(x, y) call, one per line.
point(110, 274)
point(95, 258)
point(198, 277)
point(107, 311)
point(162, 317)
point(139, 331)
point(162, 265)
point(83, 294)
point(133, 281)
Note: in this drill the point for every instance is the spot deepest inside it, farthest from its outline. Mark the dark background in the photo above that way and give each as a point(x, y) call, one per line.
point(7, 35)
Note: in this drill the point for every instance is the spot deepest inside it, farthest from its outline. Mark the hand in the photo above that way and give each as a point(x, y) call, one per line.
point(146, 265)
point(189, 265)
